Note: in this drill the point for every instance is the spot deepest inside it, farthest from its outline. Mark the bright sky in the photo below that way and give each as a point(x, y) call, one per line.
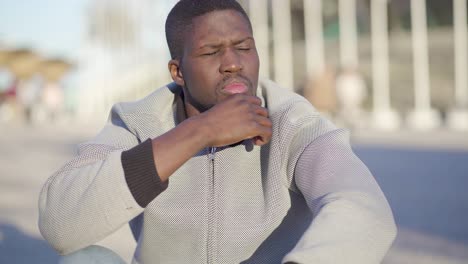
point(53, 27)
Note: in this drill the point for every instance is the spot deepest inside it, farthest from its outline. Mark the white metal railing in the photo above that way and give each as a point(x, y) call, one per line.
point(383, 115)
point(423, 116)
point(458, 116)
point(282, 38)
point(315, 55)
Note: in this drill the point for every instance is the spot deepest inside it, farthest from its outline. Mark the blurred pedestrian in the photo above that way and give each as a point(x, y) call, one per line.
point(28, 95)
point(351, 92)
point(53, 100)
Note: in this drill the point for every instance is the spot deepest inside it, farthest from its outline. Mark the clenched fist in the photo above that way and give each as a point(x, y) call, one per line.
point(237, 118)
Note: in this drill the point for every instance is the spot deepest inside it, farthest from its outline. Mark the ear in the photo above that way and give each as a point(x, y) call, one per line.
point(176, 73)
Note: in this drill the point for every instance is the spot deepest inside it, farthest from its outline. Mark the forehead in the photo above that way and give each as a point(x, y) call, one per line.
point(218, 26)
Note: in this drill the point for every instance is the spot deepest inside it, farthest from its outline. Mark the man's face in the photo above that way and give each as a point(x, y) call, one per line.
point(219, 59)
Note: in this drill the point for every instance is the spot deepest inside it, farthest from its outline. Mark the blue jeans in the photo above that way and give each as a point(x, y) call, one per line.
point(92, 255)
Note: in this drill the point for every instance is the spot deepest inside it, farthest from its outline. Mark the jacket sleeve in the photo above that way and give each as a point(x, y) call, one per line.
point(97, 192)
point(352, 222)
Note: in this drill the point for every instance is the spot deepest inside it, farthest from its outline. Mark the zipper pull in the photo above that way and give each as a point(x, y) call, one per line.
point(212, 153)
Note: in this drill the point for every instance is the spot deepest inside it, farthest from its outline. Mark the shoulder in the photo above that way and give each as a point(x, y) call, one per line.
point(158, 102)
point(287, 108)
point(296, 124)
point(277, 97)
point(149, 116)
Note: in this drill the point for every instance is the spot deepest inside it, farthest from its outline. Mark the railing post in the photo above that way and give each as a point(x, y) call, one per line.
point(259, 18)
point(348, 34)
point(383, 116)
point(458, 116)
point(315, 58)
point(423, 117)
point(282, 36)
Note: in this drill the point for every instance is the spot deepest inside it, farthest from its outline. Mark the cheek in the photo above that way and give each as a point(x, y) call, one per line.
point(203, 71)
point(202, 84)
point(253, 63)
point(257, 62)
point(207, 73)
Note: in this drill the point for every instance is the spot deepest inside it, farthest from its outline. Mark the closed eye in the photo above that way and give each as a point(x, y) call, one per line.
point(243, 48)
point(210, 53)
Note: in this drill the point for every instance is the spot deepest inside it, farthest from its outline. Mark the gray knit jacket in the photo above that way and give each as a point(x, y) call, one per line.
point(305, 197)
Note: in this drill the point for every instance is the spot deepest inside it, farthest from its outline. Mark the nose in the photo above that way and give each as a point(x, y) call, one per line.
point(230, 62)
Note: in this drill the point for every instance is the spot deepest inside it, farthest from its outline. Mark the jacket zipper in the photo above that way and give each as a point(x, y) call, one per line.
point(210, 245)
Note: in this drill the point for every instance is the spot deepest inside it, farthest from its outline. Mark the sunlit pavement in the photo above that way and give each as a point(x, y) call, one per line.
point(425, 184)
point(426, 188)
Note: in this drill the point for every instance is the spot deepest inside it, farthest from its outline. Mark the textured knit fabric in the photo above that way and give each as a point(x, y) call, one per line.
point(304, 197)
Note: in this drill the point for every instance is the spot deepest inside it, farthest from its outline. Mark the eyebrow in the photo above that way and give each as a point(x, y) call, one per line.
point(209, 45)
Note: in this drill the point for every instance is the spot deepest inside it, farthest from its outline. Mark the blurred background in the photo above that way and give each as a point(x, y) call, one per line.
point(393, 72)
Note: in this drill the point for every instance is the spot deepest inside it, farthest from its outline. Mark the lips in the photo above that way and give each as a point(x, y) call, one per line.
point(235, 88)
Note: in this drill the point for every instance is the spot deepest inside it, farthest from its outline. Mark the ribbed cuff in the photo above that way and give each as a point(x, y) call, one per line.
point(140, 173)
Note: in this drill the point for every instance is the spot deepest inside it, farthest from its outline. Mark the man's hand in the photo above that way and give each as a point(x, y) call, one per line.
point(237, 118)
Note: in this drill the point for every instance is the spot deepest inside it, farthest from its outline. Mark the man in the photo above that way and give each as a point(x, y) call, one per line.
point(215, 168)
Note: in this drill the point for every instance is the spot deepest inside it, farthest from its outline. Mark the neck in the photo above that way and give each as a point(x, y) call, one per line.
point(190, 110)
point(184, 109)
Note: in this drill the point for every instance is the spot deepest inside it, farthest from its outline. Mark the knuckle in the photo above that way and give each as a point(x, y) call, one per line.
point(242, 101)
point(254, 125)
point(241, 97)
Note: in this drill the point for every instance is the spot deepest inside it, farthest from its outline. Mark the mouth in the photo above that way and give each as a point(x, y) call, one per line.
point(235, 88)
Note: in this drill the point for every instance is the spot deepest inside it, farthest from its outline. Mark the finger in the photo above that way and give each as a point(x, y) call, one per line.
point(259, 110)
point(253, 99)
point(258, 141)
point(263, 121)
point(264, 137)
point(263, 130)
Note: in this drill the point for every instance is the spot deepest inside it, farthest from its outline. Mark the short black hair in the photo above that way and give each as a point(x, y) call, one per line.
point(180, 19)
